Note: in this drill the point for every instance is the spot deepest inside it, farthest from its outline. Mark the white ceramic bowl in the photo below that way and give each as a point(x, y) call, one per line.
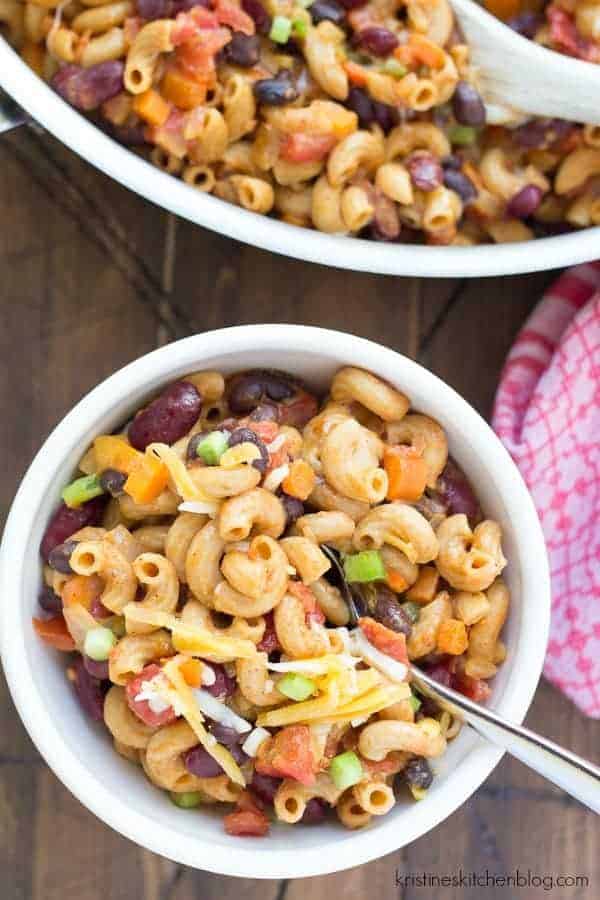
point(84, 138)
point(80, 752)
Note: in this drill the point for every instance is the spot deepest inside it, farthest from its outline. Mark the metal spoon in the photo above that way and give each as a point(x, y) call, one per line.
point(519, 78)
point(578, 777)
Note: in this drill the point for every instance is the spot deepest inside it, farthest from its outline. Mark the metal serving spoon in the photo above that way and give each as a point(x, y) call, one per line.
point(572, 773)
point(519, 78)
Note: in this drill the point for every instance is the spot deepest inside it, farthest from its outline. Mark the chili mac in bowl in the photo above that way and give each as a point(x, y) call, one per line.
point(203, 561)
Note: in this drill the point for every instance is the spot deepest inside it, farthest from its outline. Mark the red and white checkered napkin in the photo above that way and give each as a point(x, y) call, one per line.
point(547, 413)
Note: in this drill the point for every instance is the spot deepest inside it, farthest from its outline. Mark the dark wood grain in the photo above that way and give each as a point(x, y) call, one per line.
point(93, 276)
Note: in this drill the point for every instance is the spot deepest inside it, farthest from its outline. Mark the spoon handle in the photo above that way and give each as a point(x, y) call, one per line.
point(575, 775)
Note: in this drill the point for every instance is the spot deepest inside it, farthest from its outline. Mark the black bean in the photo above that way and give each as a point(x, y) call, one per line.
point(360, 103)
point(526, 24)
point(386, 116)
point(418, 773)
point(90, 692)
point(294, 508)
point(250, 389)
point(451, 162)
point(327, 10)
point(258, 14)
point(191, 452)
point(266, 412)
point(199, 762)
point(265, 787)
point(224, 734)
point(425, 171)
point(224, 685)
point(59, 557)
point(113, 481)
point(314, 812)
point(390, 613)
point(243, 435)
point(49, 601)
point(461, 184)
point(243, 49)
point(467, 105)
point(276, 92)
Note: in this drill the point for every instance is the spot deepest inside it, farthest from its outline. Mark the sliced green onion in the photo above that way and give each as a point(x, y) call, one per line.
point(98, 643)
point(394, 68)
point(281, 29)
point(462, 135)
point(212, 448)
point(345, 770)
point(414, 702)
point(117, 626)
point(187, 800)
point(300, 27)
point(364, 566)
point(81, 490)
point(296, 686)
point(412, 610)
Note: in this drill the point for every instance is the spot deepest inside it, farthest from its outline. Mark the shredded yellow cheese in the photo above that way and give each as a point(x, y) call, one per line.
point(182, 482)
point(241, 453)
point(191, 713)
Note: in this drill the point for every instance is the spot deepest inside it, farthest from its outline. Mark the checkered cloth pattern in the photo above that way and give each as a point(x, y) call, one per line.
point(547, 413)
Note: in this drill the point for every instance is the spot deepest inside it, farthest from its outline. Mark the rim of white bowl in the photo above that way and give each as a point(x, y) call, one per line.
point(66, 124)
point(358, 847)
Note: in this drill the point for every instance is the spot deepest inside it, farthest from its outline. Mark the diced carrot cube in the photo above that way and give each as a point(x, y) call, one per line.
point(407, 473)
point(54, 632)
point(82, 590)
point(183, 91)
point(452, 637)
point(152, 108)
point(115, 452)
point(301, 480)
point(425, 587)
point(357, 74)
point(192, 672)
point(426, 51)
point(396, 580)
point(147, 479)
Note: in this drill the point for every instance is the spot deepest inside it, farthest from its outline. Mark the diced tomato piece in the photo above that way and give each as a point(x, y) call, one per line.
point(269, 641)
point(266, 431)
point(142, 707)
point(288, 755)
point(474, 688)
point(564, 33)
point(187, 24)
point(248, 801)
point(313, 611)
point(384, 639)
point(55, 633)
point(299, 410)
point(246, 823)
point(306, 147)
point(197, 55)
point(229, 14)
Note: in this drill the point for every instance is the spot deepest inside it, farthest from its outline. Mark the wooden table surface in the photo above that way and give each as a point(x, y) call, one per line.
point(92, 277)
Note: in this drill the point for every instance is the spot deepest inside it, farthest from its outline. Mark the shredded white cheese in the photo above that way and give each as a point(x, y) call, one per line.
point(217, 711)
point(318, 666)
point(157, 694)
point(201, 507)
point(256, 737)
point(391, 668)
point(344, 636)
point(277, 443)
point(207, 676)
point(275, 478)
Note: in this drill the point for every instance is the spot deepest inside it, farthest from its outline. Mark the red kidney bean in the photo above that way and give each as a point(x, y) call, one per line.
point(441, 674)
point(461, 184)
point(49, 601)
point(243, 49)
point(360, 103)
point(265, 787)
point(113, 481)
point(89, 692)
point(526, 24)
point(99, 611)
point(96, 669)
point(269, 642)
point(386, 116)
point(154, 9)
point(258, 14)
point(243, 435)
point(59, 557)
point(224, 685)
point(131, 134)
point(353, 4)
point(168, 418)
point(299, 410)
point(200, 763)
point(66, 521)
point(327, 10)
point(525, 202)
point(425, 171)
point(294, 508)
point(456, 493)
point(418, 773)
point(376, 40)
point(315, 811)
point(467, 105)
point(249, 390)
point(87, 89)
point(542, 133)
